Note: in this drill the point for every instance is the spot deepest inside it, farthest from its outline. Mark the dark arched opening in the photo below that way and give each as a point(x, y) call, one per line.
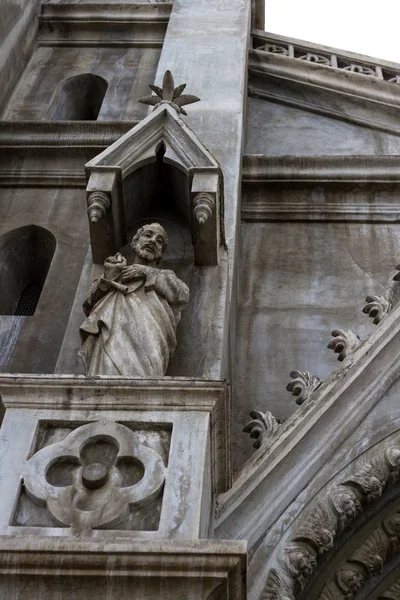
point(25, 257)
point(79, 98)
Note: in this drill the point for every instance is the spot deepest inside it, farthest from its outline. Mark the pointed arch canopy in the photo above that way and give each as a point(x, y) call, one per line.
point(138, 147)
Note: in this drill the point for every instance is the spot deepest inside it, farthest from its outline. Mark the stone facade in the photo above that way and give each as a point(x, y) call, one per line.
point(270, 166)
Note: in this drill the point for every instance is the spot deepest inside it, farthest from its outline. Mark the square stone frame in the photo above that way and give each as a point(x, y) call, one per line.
point(199, 412)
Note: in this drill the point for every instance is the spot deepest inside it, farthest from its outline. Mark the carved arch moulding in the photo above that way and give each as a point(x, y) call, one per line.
point(162, 130)
point(304, 552)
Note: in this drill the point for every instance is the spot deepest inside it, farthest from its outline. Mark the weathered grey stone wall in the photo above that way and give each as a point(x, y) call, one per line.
point(278, 130)
point(62, 212)
point(18, 30)
point(126, 70)
point(299, 281)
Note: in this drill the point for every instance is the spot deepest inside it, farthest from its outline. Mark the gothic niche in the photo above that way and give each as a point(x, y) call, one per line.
point(102, 475)
point(158, 170)
point(25, 257)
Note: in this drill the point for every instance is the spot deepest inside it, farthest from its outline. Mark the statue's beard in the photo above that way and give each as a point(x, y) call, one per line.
point(148, 254)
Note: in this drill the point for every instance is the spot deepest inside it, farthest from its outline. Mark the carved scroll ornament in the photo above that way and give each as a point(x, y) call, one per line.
point(94, 475)
point(261, 426)
point(376, 308)
point(303, 384)
point(344, 342)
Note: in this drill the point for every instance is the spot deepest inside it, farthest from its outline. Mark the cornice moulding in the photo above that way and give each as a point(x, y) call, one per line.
point(62, 134)
point(270, 188)
point(28, 391)
point(313, 75)
point(68, 556)
point(314, 169)
point(260, 36)
point(135, 25)
point(109, 13)
point(43, 178)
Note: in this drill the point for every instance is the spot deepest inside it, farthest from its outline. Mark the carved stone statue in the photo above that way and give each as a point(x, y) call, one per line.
point(133, 311)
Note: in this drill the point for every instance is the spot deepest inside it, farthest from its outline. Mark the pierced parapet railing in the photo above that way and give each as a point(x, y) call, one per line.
point(327, 57)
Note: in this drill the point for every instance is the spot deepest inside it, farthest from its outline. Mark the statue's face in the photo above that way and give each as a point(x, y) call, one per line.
point(150, 244)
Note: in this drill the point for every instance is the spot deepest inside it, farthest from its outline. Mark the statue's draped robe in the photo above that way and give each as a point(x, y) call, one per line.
point(133, 335)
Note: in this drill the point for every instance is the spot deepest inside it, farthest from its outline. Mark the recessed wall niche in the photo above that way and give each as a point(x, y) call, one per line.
point(159, 191)
point(25, 257)
point(78, 98)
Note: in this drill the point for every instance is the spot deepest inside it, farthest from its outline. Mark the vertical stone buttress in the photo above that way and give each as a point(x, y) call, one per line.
point(206, 46)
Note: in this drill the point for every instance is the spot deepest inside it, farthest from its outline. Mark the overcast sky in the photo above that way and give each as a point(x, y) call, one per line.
point(363, 26)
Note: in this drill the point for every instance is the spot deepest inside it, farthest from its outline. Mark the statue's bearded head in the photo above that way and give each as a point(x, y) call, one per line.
point(150, 241)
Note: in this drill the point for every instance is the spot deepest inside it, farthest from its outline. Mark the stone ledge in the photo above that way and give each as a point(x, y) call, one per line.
point(188, 565)
point(128, 25)
point(321, 188)
point(62, 134)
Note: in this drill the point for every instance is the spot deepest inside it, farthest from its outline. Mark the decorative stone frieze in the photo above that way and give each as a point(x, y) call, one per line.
point(361, 69)
point(346, 506)
point(315, 58)
point(275, 589)
point(261, 427)
point(393, 593)
point(391, 526)
point(301, 563)
point(344, 343)
point(367, 560)
point(95, 475)
point(317, 531)
point(303, 384)
point(373, 553)
point(350, 580)
point(274, 49)
point(337, 60)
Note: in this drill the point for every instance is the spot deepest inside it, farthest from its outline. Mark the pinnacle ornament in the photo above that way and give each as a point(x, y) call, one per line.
point(169, 94)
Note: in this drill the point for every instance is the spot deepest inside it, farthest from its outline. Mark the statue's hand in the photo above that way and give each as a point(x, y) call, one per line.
point(134, 272)
point(113, 266)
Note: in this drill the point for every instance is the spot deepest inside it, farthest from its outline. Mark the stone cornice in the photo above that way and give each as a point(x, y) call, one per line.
point(137, 25)
point(262, 173)
point(330, 90)
point(212, 561)
point(301, 47)
point(61, 134)
point(310, 74)
point(66, 555)
point(133, 394)
point(316, 169)
point(316, 429)
point(30, 140)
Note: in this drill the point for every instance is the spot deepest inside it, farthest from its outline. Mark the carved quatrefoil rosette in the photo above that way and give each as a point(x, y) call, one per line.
point(94, 476)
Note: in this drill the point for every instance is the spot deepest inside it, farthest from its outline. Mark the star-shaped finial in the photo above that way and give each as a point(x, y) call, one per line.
point(169, 94)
